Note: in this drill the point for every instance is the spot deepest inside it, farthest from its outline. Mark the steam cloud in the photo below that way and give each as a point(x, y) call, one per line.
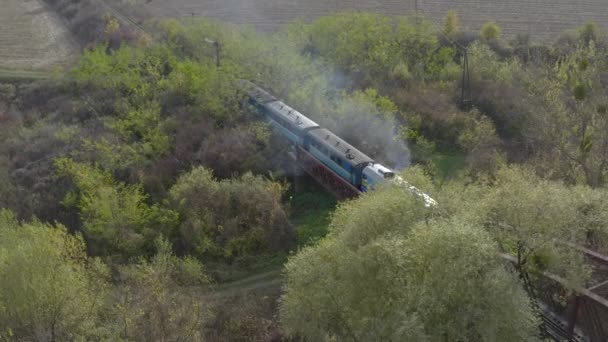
point(372, 132)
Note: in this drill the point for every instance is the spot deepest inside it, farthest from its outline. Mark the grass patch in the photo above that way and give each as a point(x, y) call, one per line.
point(310, 207)
point(10, 75)
point(244, 267)
point(449, 165)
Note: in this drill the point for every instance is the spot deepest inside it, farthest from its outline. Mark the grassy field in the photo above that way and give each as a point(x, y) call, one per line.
point(542, 19)
point(32, 38)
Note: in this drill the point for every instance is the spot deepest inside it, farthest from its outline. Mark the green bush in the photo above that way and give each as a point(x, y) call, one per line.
point(49, 288)
point(161, 298)
point(115, 217)
point(451, 23)
point(490, 31)
point(229, 218)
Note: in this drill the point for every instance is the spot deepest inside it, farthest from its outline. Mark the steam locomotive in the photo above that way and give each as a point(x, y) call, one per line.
point(342, 158)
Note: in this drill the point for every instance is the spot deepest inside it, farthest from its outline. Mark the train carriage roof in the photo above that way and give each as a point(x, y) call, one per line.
point(339, 147)
point(295, 118)
point(256, 92)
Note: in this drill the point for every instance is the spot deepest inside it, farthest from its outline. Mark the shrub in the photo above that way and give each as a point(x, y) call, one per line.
point(49, 288)
point(490, 31)
point(161, 298)
point(588, 33)
point(229, 218)
point(451, 23)
point(116, 219)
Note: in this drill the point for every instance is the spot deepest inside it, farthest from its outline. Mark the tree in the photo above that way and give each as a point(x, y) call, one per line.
point(569, 128)
point(533, 219)
point(384, 274)
point(451, 23)
point(229, 218)
point(49, 289)
point(143, 129)
point(458, 262)
point(480, 140)
point(370, 48)
point(357, 43)
point(161, 299)
point(490, 31)
point(588, 33)
point(116, 219)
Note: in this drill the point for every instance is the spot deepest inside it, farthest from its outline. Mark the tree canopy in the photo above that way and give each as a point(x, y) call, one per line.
point(49, 289)
point(383, 273)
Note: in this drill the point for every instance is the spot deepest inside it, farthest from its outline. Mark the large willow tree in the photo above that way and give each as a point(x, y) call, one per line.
point(386, 273)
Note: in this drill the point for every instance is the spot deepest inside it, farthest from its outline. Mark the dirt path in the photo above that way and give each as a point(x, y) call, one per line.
point(262, 281)
point(32, 37)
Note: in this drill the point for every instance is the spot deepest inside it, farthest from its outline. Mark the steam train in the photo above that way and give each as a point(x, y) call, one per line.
point(342, 158)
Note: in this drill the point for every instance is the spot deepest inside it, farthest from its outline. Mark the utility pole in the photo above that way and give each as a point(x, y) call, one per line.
point(465, 94)
point(215, 44)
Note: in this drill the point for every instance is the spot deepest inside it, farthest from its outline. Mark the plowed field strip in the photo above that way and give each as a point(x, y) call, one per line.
point(539, 18)
point(32, 37)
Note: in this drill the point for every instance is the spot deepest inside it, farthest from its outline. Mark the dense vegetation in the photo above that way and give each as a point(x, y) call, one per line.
point(135, 186)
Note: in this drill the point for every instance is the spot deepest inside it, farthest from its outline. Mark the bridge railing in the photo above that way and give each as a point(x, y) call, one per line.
point(335, 184)
point(570, 313)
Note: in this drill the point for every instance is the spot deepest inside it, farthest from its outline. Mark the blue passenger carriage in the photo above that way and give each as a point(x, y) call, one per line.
point(344, 159)
point(289, 122)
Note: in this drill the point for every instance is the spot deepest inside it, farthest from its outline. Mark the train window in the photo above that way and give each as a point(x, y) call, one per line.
point(389, 175)
point(338, 160)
